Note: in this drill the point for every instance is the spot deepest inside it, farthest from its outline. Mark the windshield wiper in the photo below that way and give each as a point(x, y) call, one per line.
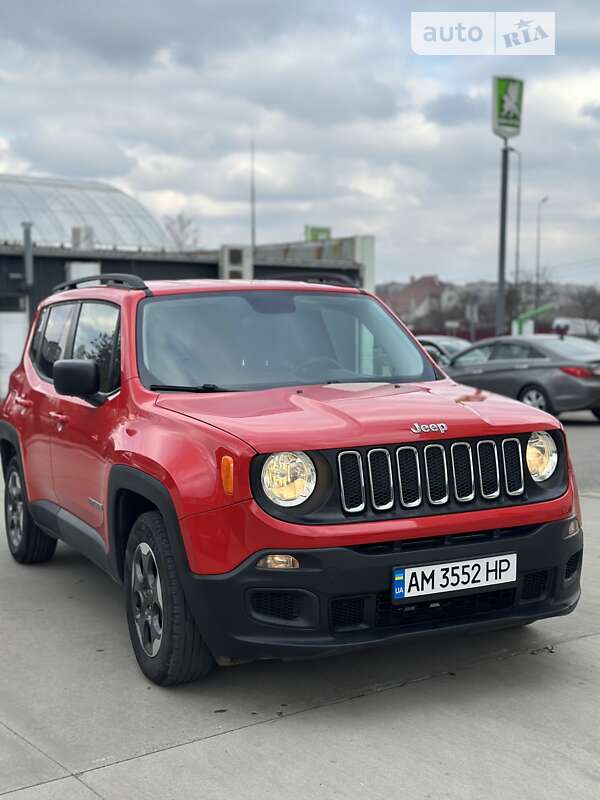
point(203, 388)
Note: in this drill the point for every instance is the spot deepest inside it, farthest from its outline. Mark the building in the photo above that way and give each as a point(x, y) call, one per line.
point(419, 301)
point(82, 228)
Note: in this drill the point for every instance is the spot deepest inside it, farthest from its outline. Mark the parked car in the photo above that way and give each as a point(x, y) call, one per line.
point(578, 326)
point(276, 470)
point(448, 346)
point(546, 371)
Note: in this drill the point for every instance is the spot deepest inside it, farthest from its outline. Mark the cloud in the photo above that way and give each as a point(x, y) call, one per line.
point(131, 33)
point(591, 110)
point(73, 152)
point(351, 129)
point(456, 109)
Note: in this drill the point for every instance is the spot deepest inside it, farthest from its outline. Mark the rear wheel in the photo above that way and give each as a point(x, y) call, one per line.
point(26, 542)
point(596, 412)
point(536, 397)
point(165, 638)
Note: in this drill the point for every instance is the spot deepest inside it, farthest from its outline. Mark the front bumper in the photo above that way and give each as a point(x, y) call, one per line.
point(340, 597)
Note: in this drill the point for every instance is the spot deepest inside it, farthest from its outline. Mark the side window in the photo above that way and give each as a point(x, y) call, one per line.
point(511, 350)
point(533, 353)
point(37, 336)
point(477, 355)
point(56, 335)
point(97, 339)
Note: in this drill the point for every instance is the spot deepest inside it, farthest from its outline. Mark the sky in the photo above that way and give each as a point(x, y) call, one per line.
point(352, 129)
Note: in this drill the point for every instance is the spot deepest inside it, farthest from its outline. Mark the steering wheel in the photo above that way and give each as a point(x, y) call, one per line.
point(317, 367)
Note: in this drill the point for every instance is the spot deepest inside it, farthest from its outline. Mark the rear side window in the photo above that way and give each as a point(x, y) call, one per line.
point(37, 336)
point(97, 339)
point(55, 338)
point(511, 350)
point(477, 355)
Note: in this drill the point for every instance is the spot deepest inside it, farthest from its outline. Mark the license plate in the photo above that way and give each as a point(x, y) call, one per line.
point(411, 582)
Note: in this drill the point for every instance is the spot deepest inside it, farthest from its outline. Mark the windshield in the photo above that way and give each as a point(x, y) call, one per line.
point(261, 339)
point(572, 347)
point(453, 344)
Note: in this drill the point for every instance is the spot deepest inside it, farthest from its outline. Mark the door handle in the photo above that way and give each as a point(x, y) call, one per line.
point(23, 401)
point(61, 419)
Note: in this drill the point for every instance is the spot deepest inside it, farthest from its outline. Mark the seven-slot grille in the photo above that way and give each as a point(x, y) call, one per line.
point(439, 473)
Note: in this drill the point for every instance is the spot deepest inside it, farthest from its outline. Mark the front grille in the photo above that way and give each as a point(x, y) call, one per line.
point(513, 466)
point(444, 611)
point(347, 613)
point(380, 479)
point(433, 475)
point(534, 585)
point(489, 475)
point(277, 604)
point(449, 540)
point(462, 469)
point(572, 565)
point(409, 476)
point(352, 481)
point(376, 610)
point(436, 471)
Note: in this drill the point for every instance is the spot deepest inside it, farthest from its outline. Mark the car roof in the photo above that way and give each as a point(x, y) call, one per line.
point(441, 337)
point(216, 285)
point(533, 339)
point(110, 291)
point(509, 339)
point(536, 337)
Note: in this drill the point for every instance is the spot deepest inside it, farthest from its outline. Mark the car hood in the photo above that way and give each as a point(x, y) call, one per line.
point(350, 415)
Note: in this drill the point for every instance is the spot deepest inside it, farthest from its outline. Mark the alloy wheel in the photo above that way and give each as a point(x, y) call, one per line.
point(147, 599)
point(15, 509)
point(534, 398)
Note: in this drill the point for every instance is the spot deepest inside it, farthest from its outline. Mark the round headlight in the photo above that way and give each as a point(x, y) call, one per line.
point(288, 479)
point(542, 456)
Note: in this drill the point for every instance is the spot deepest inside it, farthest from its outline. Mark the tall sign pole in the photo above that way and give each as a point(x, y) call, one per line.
point(501, 291)
point(252, 201)
point(507, 107)
point(28, 265)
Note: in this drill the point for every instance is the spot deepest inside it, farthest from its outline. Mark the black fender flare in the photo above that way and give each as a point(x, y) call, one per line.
point(151, 489)
point(127, 478)
point(9, 433)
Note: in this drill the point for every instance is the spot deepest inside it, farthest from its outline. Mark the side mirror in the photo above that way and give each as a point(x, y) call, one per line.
point(437, 355)
point(77, 378)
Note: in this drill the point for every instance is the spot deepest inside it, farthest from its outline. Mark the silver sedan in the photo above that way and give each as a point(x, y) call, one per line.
point(547, 371)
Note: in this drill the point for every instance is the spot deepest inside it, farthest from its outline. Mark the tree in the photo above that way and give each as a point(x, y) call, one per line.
point(183, 229)
point(588, 300)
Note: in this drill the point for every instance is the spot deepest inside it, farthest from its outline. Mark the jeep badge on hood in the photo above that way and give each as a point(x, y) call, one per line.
point(432, 427)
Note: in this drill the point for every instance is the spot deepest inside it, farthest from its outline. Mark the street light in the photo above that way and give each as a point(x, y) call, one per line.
point(518, 228)
point(537, 249)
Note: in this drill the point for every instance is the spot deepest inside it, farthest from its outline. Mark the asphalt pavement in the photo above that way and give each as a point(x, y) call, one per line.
point(510, 714)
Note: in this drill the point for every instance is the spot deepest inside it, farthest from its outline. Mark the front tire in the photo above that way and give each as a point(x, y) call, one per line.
point(536, 397)
point(596, 412)
point(26, 542)
point(164, 635)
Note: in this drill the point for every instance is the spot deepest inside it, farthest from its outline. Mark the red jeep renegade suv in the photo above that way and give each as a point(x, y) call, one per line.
point(276, 469)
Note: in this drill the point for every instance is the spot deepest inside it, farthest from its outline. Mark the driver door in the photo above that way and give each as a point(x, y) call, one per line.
point(82, 439)
point(473, 366)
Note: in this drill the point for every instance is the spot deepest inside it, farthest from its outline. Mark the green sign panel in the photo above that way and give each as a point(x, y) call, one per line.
point(508, 105)
point(313, 234)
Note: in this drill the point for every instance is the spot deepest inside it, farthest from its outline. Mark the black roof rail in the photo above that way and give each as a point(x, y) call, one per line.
point(120, 280)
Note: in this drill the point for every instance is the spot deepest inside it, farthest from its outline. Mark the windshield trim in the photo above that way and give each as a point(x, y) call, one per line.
point(437, 374)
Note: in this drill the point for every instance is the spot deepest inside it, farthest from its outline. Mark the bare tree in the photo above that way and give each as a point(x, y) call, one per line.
point(588, 300)
point(183, 229)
